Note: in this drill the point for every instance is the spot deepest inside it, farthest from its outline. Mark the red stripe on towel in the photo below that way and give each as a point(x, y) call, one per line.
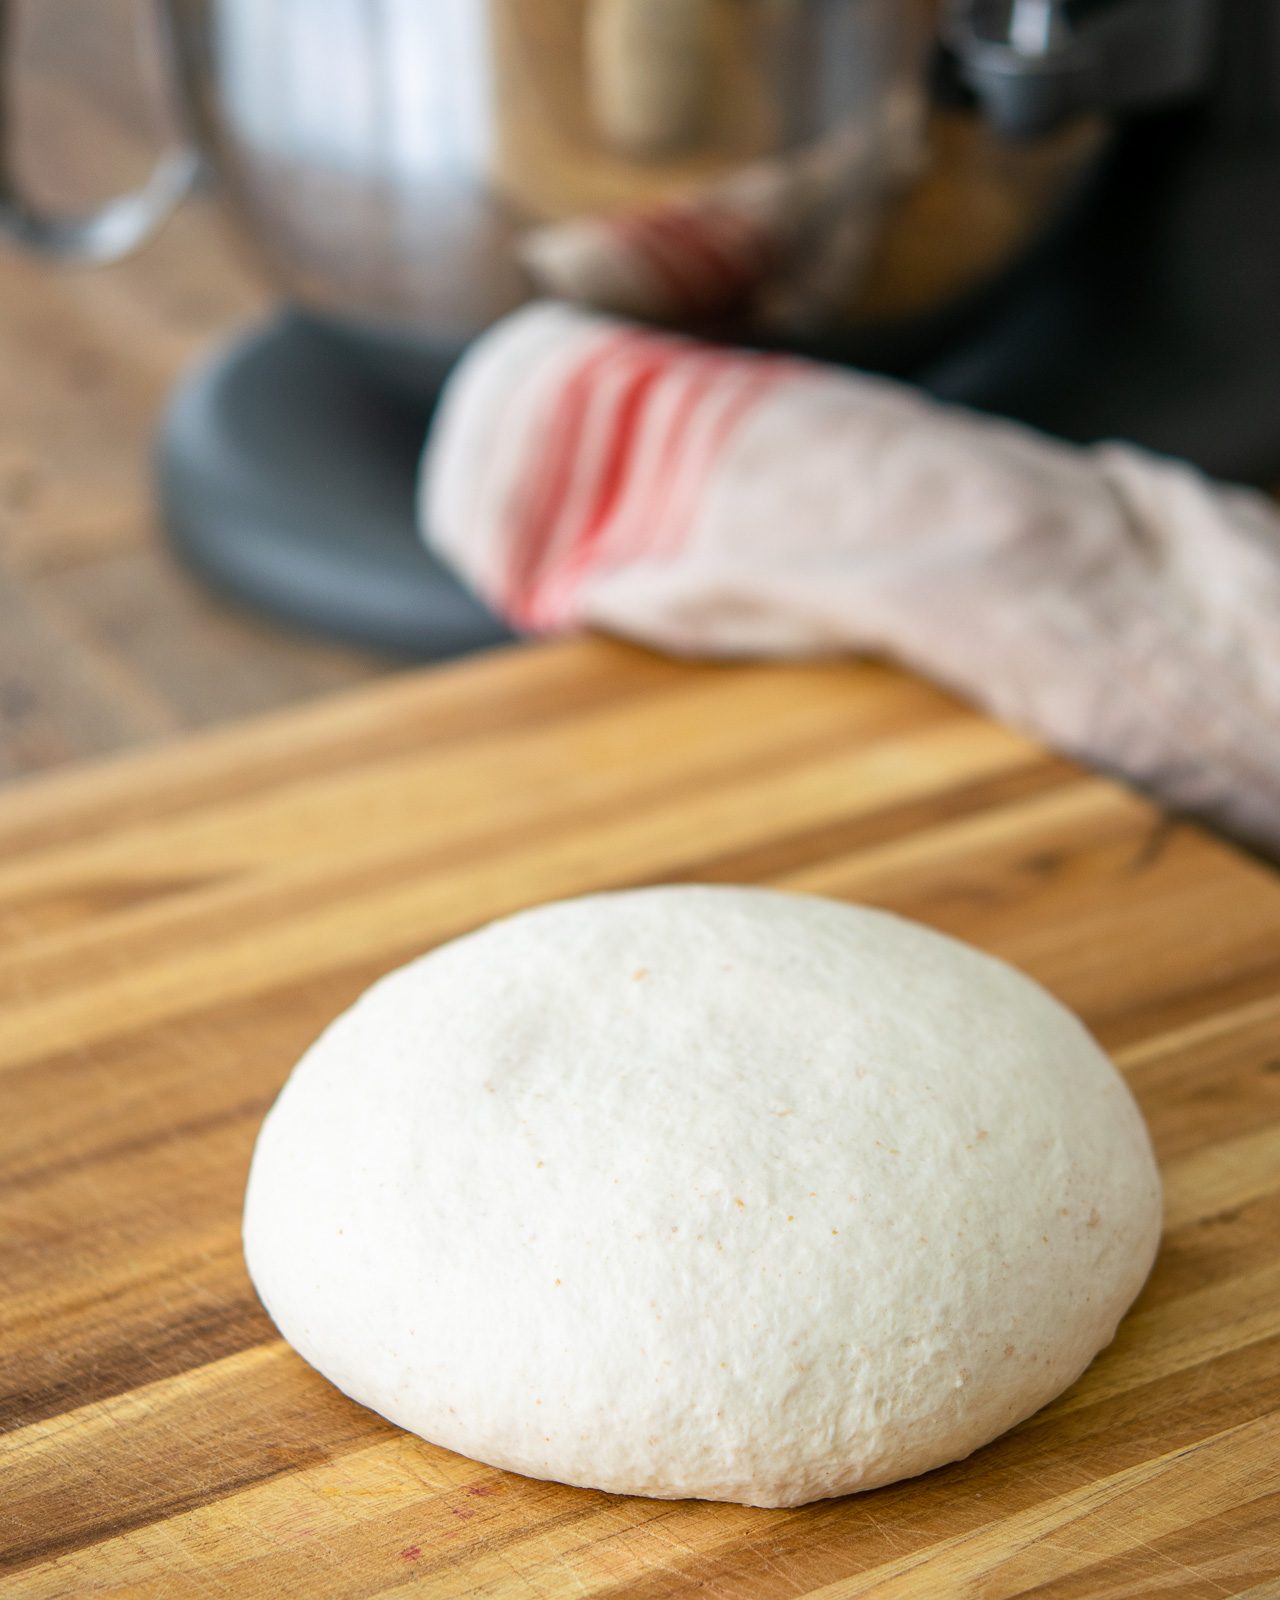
point(628, 514)
point(669, 534)
point(625, 520)
point(550, 475)
point(545, 600)
point(651, 513)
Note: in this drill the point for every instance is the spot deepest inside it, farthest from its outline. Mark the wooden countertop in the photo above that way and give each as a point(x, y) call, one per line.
point(178, 925)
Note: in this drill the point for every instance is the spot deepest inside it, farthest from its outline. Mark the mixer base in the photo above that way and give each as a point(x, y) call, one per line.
point(286, 478)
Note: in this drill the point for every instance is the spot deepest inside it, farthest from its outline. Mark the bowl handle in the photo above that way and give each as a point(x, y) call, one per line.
point(111, 230)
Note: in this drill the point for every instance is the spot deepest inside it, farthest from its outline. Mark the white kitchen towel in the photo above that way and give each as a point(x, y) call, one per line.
point(716, 502)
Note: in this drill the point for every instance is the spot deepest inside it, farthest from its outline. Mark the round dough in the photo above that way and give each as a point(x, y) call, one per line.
point(704, 1192)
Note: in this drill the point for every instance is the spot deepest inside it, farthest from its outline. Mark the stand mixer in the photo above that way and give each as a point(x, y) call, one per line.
point(1086, 239)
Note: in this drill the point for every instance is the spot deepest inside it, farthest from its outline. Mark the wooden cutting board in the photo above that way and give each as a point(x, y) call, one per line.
point(178, 926)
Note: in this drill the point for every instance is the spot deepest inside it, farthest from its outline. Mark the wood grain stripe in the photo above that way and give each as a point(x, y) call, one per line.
point(1014, 1558)
point(414, 812)
point(377, 722)
point(619, 850)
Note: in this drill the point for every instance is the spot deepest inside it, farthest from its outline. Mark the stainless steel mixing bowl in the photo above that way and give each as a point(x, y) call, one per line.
point(408, 170)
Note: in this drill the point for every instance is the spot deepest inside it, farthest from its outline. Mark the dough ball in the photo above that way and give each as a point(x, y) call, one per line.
point(704, 1192)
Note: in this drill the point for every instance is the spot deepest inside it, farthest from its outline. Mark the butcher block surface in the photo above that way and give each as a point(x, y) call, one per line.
point(178, 925)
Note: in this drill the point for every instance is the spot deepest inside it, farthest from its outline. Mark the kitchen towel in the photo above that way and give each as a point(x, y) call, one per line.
point(716, 502)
